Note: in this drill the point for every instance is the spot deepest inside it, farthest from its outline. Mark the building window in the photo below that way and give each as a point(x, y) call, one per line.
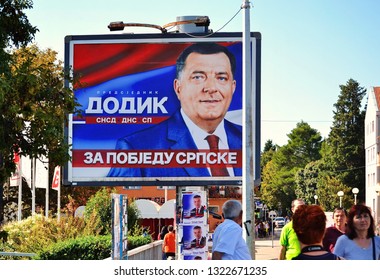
point(132, 188)
point(373, 179)
point(167, 187)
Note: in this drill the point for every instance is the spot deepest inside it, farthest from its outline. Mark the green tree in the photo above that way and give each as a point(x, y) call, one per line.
point(100, 207)
point(307, 180)
point(328, 194)
point(345, 152)
point(15, 30)
point(33, 100)
point(279, 174)
point(267, 154)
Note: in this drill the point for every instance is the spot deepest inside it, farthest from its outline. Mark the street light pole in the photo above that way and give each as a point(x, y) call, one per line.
point(249, 153)
point(316, 199)
point(340, 194)
point(265, 207)
point(355, 191)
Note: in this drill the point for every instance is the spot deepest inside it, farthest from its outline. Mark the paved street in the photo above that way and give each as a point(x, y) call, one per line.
point(266, 248)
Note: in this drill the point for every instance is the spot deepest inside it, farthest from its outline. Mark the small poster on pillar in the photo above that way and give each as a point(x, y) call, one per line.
point(194, 208)
point(199, 257)
point(194, 239)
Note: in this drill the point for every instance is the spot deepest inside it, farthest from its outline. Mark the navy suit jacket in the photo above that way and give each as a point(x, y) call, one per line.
point(202, 243)
point(200, 214)
point(171, 134)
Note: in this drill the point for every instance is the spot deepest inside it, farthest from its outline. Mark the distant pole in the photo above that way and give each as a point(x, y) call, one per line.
point(33, 185)
point(247, 194)
point(56, 185)
point(59, 204)
point(355, 191)
point(340, 194)
point(19, 208)
point(47, 201)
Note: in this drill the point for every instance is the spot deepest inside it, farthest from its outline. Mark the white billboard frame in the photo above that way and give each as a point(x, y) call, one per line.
point(70, 177)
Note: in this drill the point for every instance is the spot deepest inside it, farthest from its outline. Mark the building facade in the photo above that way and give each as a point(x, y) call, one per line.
point(372, 152)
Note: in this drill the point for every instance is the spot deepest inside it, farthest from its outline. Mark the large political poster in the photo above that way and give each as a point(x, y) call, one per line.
point(148, 104)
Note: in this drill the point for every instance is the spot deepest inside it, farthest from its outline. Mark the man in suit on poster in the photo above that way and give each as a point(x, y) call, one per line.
point(199, 209)
point(199, 241)
point(204, 85)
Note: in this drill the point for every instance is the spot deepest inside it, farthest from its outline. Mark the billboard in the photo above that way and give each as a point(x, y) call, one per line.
point(157, 109)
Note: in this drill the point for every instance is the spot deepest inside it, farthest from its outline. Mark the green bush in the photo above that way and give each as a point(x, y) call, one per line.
point(137, 241)
point(64, 239)
point(99, 209)
point(37, 231)
point(82, 248)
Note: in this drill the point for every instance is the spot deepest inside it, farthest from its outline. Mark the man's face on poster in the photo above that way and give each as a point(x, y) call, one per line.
point(197, 202)
point(205, 87)
point(198, 233)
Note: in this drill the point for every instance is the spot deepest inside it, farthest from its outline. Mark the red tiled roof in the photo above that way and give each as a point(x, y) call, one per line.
point(376, 90)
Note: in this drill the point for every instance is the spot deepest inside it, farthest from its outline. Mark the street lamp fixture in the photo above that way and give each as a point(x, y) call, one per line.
point(355, 191)
point(198, 21)
point(316, 199)
point(340, 194)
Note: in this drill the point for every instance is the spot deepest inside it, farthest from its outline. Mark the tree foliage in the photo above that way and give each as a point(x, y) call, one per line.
point(15, 30)
point(328, 194)
point(33, 99)
point(279, 185)
point(307, 181)
point(99, 206)
point(307, 166)
point(346, 153)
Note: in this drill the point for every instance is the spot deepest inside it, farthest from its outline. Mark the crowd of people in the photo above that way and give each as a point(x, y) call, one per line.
point(305, 237)
point(352, 237)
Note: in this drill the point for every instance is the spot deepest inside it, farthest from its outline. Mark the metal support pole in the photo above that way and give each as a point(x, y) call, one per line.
point(19, 202)
point(33, 185)
point(47, 201)
point(248, 184)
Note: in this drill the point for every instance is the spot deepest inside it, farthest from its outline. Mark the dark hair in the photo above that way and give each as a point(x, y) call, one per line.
point(164, 230)
point(340, 209)
point(204, 48)
point(197, 196)
point(170, 228)
point(309, 223)
point(355, 210)
point(197, 227)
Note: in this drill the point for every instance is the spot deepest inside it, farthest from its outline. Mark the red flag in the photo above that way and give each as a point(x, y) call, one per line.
point(56, 184)
point(16, 176)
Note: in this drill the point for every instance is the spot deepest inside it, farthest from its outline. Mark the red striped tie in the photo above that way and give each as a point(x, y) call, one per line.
point(216, 171)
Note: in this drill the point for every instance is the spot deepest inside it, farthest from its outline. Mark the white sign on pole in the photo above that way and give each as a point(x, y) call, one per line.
point(26, 167)
point(272, 214)
point(42, 173)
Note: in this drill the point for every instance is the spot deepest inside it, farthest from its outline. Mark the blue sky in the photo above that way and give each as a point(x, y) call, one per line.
point(309, 47)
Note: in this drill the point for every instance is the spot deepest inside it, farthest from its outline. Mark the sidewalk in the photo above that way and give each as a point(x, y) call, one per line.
point(266, 249)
